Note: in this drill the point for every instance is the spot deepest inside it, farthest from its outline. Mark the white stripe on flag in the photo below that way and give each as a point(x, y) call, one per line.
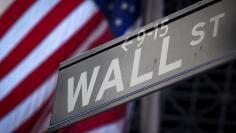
point(95, 35)
point(4, 5)
point(19, 30)
point(62, 33)
point(27, 108)
point(114, 127)
point(34, 102)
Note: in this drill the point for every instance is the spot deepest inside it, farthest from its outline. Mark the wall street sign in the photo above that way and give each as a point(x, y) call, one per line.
point(166, 51)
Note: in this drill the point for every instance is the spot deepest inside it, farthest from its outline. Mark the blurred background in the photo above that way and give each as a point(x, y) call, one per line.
point(35, 36)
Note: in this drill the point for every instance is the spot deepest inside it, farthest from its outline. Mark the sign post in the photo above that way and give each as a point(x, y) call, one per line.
point(168, 50)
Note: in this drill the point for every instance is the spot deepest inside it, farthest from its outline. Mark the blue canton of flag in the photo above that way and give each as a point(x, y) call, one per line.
point(121, 14)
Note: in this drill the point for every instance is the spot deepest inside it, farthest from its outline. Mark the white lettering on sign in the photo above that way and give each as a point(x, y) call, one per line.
point(86, 92)
point(196, 32)
point(163, 67)
point(216, 20)
point(198, 29)
point(142, 35)
point(164, 28)
point(135, 78)
point(116, 82)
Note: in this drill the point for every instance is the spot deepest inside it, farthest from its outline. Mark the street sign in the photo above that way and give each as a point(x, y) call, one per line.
point(166, 51)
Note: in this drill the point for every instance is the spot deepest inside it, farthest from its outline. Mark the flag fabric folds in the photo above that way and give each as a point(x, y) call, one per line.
point(35, 36)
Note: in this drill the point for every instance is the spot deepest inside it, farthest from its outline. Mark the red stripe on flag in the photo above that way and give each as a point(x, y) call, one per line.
point(37, 77)
point(12, 14)
point(107, 35)
point(37, 34)
point(30, 123)
point(99, 120)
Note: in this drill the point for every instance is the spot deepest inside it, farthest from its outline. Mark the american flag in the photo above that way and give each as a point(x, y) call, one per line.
point(35, 36)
